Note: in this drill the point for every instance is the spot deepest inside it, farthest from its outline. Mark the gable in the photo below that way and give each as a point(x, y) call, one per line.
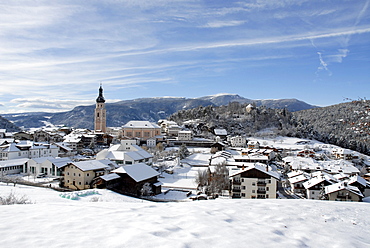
point(254, 173)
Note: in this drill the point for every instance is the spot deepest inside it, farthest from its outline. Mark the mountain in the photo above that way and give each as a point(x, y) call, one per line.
point(151, 109)
point(6, 124)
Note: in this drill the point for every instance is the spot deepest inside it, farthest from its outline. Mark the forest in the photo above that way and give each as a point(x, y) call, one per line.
point(346, 124)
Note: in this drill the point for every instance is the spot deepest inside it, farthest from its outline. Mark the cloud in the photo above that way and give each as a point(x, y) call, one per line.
point(222, 24)
point(52, 105)
point(323, 65)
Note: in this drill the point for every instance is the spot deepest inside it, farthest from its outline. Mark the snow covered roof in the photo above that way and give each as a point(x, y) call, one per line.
point(13, 162)
point(358, 179)
point(259, 167)
point(319, 179)
point(90, 165)
point(138, 172)
point(140, 124)
point(220, 132)
point(342, 186)
point(297, 179)
point(110, 177)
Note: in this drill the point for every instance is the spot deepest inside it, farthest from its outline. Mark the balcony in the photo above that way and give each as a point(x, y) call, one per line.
point(261, 183)
point(261, 191)
point(237, 182)
point(236, 190)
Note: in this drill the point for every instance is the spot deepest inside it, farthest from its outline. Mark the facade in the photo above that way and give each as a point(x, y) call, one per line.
point(254, 182)
point(343, 192)
point(100, 120)
point(238, 141)
point(80, 175)
point(185, 135)
point(48, 165)
point(27, 149)
point(13, 166)
point(141, 129)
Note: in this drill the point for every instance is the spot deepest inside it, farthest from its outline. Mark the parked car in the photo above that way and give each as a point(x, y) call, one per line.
point(41, 175)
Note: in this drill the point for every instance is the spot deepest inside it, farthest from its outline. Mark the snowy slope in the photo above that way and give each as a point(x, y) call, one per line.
point(119, 221)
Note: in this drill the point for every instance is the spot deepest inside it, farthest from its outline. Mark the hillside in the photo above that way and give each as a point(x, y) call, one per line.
point(119, 221)
point(6, 124)
point(151, 109)
point(346, 125)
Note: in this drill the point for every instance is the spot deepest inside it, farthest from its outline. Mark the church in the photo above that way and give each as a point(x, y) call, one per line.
point(100, 120)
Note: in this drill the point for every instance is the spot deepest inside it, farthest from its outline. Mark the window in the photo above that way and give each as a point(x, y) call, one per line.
point(253, 191)
point(243, 194)
point(79, 183)
point(88, 174)
point(79, 174)
point(243, 187)
point(253, 184)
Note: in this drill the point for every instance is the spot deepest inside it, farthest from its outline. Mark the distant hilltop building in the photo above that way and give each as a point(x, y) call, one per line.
point(100, 122)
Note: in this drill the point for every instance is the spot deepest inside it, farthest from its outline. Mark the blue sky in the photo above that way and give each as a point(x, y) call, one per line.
point(54, 54)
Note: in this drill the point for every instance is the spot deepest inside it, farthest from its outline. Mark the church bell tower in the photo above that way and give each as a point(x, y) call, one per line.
point(100, 123)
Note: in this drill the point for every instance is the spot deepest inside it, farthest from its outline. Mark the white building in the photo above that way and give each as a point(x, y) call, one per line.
point(238, 141)
point(27, 149)
point(47, 165)
point(126, 153)
point(13, 166)
point(254, 182)
point(185, 135)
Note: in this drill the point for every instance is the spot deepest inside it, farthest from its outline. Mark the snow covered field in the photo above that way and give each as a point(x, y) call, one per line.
point(120, 221)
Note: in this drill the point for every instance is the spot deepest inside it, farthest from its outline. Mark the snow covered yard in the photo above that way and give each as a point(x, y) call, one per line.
point(120, 221)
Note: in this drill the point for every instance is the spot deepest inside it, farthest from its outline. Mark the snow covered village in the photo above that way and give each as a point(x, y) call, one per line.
point(143, 171)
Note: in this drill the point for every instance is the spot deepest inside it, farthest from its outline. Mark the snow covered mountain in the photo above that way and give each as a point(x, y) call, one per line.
point(151, 109)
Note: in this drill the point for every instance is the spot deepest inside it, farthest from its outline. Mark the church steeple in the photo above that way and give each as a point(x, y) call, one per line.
point(100, 113)
point(100, 97)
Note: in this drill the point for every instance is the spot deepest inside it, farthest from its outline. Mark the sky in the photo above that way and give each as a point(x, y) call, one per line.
point(55, 54)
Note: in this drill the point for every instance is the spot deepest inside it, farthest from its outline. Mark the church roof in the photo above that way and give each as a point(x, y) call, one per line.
point(100, 97)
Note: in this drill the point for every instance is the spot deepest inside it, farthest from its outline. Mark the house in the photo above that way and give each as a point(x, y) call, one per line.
point(127, 152)
point(185, 135)
point(65, 149)
point(254, 182)
point(135, 176)
point(47, 165)
point(27, 149)
point(343, 192)
point(141, 129)
point(252, 158)
point(80, 175)
point(238, 141)
point(23, 136)
point(315, 186)
point(342, 154)
point(296, 183)
point(48, 136)
point(220, 132)
point(13, 166)
point(306, 153)
point(253, 145)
